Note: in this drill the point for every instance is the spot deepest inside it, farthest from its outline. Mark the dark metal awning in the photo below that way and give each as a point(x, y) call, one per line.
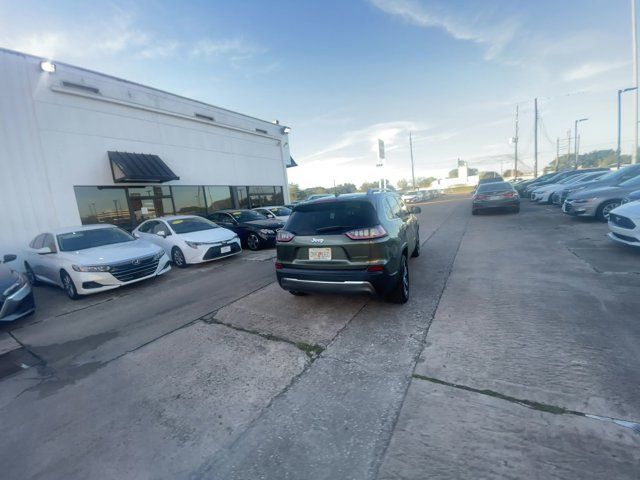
point(139, 167)
point(292, 163)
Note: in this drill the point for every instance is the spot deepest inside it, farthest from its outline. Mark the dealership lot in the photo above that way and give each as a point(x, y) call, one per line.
point(517, 328)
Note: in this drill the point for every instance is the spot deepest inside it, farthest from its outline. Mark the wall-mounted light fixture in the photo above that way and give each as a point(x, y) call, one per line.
point(286, 130)
point(47, 66)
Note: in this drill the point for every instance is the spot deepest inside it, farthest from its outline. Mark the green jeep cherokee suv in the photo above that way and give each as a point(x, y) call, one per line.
point(356, 243)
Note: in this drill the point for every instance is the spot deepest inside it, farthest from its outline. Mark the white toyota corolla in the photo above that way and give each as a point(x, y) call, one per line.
point(92, 258)
point(624, 223)
point(189, 238)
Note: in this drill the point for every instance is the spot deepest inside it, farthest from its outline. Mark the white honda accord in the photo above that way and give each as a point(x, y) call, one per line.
point(92, 258)
point(189, 238)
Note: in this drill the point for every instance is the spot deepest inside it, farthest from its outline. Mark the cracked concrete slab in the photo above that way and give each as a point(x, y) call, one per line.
point(524, 316)
point(7, 343)
point(446, 433)
point(153, 413)
point(313, 319)
point(336, 419)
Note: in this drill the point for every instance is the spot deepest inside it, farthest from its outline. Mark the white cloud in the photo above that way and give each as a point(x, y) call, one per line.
point(494, 34)
point(593, 69)
point(237, 48)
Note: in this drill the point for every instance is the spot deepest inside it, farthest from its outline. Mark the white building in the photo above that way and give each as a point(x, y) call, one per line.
point(78, 146)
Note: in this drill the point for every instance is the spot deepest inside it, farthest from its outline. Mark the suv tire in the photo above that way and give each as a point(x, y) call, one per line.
point(253, 242)
point(416, 250)
point(400, 292)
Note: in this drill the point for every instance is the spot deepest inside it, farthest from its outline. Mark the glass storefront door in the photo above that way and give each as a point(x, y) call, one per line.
point(150, 202)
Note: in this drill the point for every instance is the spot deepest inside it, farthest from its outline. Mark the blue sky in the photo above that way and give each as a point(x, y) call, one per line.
point(343, 73)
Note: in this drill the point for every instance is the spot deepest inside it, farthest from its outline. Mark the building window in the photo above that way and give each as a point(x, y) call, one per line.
point(103, 205)
point(218, 198)
point(261, 196)
point(189, 200)
point(278, 199)
point(149, 202)
point(242, 197)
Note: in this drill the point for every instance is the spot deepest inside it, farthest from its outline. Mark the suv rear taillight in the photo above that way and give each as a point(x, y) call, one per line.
point(367, 233)
point(284, 236)
point(480, 197)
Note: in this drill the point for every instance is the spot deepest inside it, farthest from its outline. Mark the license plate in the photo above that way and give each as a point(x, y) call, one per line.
point(320, 254)
point(495, 197)
point(226, 249)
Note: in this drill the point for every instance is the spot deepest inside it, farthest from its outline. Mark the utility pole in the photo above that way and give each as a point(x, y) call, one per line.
point(557, 153)
point(535, 136)
point(575, 133)
point(413, 173)
point(515, 162)
point(568, 145)
point(634, 30)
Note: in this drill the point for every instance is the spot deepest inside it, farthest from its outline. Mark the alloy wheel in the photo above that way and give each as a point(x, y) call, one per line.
point(606, 210)
point(405, 277)
point(178, 258)
point(253, 242)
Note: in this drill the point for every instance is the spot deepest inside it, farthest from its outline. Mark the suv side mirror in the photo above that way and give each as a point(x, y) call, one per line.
point(415, 210)
point(9, 258)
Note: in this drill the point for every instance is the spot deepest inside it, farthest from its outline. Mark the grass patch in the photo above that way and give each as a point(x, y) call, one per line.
point(311, 350)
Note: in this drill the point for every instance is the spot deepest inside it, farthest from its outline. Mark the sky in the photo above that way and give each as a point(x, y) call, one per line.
point(343, 73)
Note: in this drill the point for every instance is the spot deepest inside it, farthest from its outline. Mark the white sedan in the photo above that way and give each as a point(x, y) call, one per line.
point(189, 238)
point(624, 223)
point(92, 258)
point(274, 212)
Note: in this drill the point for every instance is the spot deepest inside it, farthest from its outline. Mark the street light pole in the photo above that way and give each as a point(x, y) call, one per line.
point(620, 92)
point(413, 173)
point(634, 34)
point(575, 146)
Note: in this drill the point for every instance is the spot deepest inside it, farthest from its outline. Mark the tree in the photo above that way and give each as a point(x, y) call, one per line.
point(403, 184)
point(423, 182)
point(472, 171)
point(294, 191)
point(509, 173)
point(344, 188)
point(453, 173)
point(367, 185)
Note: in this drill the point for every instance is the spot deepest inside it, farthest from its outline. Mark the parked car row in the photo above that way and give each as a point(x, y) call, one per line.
point(95, 258)
point(419, 196)
point(611, 196)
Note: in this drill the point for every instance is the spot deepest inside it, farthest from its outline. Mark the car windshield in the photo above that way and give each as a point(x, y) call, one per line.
point(616, 174)
point(98, 237)
point(280, 211)
point(632, 182)
point(191, 224)
point(246, 215)
point(494, 187)
point(331, 218)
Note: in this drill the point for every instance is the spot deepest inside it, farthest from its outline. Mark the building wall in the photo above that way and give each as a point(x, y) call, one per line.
point(54, 137)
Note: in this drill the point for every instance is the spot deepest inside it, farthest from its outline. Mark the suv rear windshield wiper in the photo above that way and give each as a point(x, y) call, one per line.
point(334, 227)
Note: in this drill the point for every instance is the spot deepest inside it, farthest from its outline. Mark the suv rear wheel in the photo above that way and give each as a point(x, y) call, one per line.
point(400, 293)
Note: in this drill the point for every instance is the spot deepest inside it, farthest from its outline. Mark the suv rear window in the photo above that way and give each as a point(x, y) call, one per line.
point(331, 218)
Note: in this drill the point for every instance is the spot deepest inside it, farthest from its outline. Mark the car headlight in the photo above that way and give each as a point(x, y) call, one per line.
point(19, 283)
point(585, 200)
point(91, 268)
point(193, 244)
point(266, 231)
point(158, 255)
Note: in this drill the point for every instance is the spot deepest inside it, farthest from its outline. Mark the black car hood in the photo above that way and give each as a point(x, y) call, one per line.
point(272, 224)
point(7, 278)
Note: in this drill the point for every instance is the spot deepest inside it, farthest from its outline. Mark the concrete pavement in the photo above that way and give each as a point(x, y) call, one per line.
point(518, 327)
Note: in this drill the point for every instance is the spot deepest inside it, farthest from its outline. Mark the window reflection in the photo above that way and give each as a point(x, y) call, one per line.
point(189, 200)
point(218, 198)
point(103, 205)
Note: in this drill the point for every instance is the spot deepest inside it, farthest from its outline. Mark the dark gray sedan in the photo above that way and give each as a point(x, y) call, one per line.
point(598, 202)
point(16, 297)
point(494, 195)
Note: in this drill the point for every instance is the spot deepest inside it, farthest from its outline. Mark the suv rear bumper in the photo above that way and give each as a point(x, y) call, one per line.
point(336, 281)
